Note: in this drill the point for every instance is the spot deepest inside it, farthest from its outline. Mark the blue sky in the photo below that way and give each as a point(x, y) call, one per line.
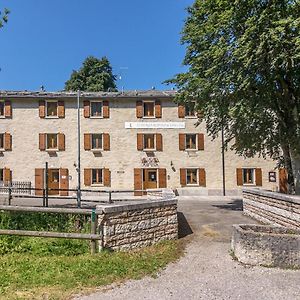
point(45, 40)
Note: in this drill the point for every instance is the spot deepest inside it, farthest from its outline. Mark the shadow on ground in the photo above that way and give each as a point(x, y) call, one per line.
point(184, 228)
point(236, 205)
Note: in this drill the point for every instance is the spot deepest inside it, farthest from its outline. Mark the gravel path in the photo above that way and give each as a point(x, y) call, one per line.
point(207, 271)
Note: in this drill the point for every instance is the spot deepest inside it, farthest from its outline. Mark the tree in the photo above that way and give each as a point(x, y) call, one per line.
point(95, 75)
point(4, 17)
point(244, 71)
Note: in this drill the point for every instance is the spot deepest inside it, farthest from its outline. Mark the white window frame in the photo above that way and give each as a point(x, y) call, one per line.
point(148, 101)
point(196, 147)
point(190, 117)
point(197, 174)
point(51, 149)
point(2, 149)
point(154, 144)
point(46, 108)
point(96, 117)
point(96, 149)
point(97, 184)
point(3, 116)
point(254, 176)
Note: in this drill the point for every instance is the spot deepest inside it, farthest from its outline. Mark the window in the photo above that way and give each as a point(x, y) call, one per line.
point(51, 141)
point(248, 176)
point(97, 142)
point(190, 109)
point(191, 142)
point(97, 176)
point(51, 108)
point(96, 109)
point(149, 109)
point(149, 141)
point(1, 175)
point(1, 108)
point(1, 140)
point(191, 176)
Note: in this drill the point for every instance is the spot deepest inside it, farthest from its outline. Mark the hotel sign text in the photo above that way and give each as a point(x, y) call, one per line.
point(155, 125)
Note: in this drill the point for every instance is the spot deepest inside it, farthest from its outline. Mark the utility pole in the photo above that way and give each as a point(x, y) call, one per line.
point(223, 158)
point(78, 149)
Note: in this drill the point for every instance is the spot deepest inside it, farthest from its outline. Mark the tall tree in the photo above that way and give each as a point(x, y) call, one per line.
point(244, 70)
point(4, 17)
point(95, 75)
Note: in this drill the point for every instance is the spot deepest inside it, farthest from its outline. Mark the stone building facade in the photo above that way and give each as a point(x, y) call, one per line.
point(132, 140)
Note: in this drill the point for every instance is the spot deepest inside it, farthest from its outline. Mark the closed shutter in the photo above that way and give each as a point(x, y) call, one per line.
point(138, 182)
point(39, 181)
point(86, 109)
point(87, 141)
point(42, 141)
point(64, 181)
point(157, 109)
point(87, 177)
point(106, 142)
point(61, 109)
point(7, 109)
point(7, 142)
point(181, 111)
point(7, 175)
point(105, 109)
point(139, 109)
point(159, 142)
point(42, 109)
point(258, 177)
point(140, 144)
point(181, 141)
point(202, 177)
point(239, 176)
point(200, 141)
point(61, 142)
point(183, 177)
point(106, 177)
point(162, 178)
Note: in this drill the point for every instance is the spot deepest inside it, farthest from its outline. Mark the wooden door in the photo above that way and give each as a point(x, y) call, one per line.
point(150, 179)
point(283, 187)
point(53, 181)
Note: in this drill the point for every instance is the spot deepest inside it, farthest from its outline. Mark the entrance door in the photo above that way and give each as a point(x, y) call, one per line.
point(150, 179)
point(53, 181)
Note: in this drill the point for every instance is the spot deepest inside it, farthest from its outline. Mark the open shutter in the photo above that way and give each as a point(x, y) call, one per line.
point(140, 143)
point(139, 109)
point(61, 109)
point(181, 111)
point(42, 141)
point(105, 109)
point(200, 141)
point(7, 142)
point(159, 142)
point(87, 141)
point(181, 141)
point(183, 177)
point(106, 177)
point(39, 181)
point(61, 142)
point(87, 177)
point(7, 175)
point(258, 177)
point(162, 178)
point(64, 181)
point(138, 182)
point(86, 109)
point(42, 109)
point(202, 177)
point(7, 109)
point(106, 142)
point(283, 183)
point(157, 109)
point(239, 176)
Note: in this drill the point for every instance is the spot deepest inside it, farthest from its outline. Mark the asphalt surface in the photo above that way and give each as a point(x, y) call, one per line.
point(207, 271)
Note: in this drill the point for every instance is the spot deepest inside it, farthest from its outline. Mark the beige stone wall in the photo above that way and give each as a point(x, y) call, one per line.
point(123, 157)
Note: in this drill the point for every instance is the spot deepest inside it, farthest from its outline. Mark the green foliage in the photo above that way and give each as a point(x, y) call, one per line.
point(244, 61)
point(4, 17)
point(95, 75)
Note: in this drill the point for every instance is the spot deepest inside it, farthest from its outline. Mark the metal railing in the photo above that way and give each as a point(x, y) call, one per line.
point(18, 187)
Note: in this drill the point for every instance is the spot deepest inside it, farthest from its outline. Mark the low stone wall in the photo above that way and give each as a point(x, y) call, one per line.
point(272, 208)
point(128, 226)
point(266, 245)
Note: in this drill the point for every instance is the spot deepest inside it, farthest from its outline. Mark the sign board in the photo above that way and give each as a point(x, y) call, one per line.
point(155, 125)
point(272, 176)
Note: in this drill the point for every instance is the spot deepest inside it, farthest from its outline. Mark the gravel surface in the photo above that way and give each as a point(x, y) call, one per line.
point(207, 271)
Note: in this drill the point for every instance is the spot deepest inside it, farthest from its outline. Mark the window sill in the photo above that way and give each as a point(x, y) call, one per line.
point(191, 150)
point(51, 117)
point(149, 150)
point(192, 185)
point(151, 117)
point(97, 184)
point(191, 117)
point(51, 150)
point(249, 184)
point(96, 150)
point(96, 117)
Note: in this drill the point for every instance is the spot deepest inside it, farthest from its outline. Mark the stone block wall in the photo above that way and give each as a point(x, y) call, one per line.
point(129, 226)
point(272, 208)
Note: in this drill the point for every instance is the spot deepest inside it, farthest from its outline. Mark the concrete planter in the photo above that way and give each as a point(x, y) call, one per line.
point(271, 246)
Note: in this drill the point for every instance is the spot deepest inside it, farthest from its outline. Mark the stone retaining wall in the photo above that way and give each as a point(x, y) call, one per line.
point(128, 226)
point(272, 208)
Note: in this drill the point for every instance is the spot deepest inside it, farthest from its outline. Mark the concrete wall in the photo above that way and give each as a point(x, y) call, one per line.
point(272, 208)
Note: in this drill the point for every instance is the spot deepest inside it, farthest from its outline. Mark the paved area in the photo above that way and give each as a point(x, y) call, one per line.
point(207, 271)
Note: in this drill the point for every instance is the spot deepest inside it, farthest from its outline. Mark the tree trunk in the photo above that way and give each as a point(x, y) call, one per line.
point(295, 162)
point(289, 168)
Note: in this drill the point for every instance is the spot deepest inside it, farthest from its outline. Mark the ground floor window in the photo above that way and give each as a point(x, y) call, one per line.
point(191, 176)
point(97, 176)
point(249, 176)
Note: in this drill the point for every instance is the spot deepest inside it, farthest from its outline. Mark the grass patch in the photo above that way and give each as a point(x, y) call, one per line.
point(37, 276)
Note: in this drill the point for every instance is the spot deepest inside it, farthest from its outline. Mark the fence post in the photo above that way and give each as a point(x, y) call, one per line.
point(44, 200)
point(109, 197)
point(9, 194)
point(93, 230)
